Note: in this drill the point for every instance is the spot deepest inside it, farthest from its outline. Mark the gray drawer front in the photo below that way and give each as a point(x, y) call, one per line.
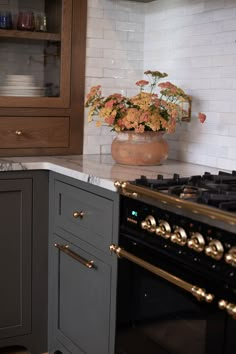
point(95, 227)
point(83, 301)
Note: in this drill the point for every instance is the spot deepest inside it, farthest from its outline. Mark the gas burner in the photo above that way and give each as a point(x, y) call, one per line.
point(185, 192)
point(217, 190)
point(161, 183)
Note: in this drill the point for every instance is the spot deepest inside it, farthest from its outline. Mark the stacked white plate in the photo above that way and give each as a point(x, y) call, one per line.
point(21, 85)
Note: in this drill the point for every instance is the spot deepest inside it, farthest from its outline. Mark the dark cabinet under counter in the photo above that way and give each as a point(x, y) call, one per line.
point(23, 259)
point(82, 270)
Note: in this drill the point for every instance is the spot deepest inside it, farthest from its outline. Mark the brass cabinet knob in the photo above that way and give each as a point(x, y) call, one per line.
point(230, 257)
point(18, 132)
point(215, 250)
point(163, 229)
point(78, 214)
point(196, 242)
point(179, 236)
point(149, 224)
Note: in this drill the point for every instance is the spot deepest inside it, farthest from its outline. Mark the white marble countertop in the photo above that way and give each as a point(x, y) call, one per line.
point(100, 170)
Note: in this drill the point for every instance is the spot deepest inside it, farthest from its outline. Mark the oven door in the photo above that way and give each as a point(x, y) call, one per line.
point(159, 311)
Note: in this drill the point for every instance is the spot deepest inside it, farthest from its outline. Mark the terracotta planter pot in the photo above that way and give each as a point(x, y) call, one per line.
point(148, 148)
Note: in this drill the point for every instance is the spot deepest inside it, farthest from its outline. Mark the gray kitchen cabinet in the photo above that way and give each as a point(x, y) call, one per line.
point(23, 260)
point(82, 271)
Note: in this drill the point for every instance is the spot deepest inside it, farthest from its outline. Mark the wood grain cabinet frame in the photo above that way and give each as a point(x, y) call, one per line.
point(50, 125)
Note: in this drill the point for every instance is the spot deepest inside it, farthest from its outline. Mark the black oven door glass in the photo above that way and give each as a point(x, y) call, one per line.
point(156, 317)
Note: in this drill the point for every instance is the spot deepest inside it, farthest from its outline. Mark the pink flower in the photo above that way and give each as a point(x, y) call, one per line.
point(166, 85)
point(201, 117)
point(110, 119)
point(110, 103)
point(142, 83)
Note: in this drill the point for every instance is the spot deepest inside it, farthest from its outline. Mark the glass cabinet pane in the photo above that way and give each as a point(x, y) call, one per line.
point(30, 48)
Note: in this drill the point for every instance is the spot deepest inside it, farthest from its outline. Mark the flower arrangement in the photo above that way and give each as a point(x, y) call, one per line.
point(158, 110)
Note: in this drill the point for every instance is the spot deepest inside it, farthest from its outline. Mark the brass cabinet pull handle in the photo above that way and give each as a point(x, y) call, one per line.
point(78, 214)
point(18, 132)
point(77, 257)
point(199, 293)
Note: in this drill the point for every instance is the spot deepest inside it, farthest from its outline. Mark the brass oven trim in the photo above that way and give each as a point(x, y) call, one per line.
point(133, 191)
point(196, 291)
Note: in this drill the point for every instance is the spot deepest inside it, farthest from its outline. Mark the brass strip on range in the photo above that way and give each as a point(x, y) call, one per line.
point(77, 257)
point(196, 291)
point(136, 192)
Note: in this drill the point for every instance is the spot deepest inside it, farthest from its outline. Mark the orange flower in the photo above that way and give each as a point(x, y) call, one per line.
point(160, 109)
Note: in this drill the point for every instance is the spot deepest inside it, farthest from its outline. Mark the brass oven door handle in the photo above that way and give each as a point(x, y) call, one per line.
point(196, 291)
point(229, 307)
point(77, 257)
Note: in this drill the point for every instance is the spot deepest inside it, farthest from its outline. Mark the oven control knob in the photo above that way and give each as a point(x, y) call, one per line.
point(196, 242)
point(215, 250)
point(179, 236)
point(149, 224)
point(230, 257)
point(163, 229)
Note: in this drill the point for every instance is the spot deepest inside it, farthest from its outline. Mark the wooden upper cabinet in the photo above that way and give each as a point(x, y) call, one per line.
point(42, 46)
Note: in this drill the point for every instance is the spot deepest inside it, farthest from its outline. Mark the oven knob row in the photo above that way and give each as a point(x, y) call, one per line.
point(196, 242)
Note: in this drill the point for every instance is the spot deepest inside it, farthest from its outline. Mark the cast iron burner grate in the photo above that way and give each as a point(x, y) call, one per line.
point(214, 190)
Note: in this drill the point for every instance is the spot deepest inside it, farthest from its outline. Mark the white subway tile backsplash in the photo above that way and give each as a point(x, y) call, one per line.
point(229, 25)
point(94, 72)
point(116, 73)
point(129, 26)
point(94, 33)
point(227, 164)
point(94, 53)
point(115, 54)
point(222, 83)
point(223, 14)
point(136, 37)
point(192, 40)
point(220, 60)
point(115, 35)
point(135, 55)
point(117, 15)
point(215, 4)
point(95, 13)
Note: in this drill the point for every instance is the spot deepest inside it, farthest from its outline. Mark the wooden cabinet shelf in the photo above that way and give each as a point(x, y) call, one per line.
point(43, 36)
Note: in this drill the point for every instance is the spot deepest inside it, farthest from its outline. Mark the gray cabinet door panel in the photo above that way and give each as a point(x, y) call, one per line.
point(95, 227)
point(83, 301)
point(15, 257)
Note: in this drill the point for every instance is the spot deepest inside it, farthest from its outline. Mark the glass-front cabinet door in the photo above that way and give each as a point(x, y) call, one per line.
point(35, 50)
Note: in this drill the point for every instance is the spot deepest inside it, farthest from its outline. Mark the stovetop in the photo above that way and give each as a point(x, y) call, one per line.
point(216, 190)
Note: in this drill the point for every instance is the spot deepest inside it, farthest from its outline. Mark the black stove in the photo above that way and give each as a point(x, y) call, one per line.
point(194, 217)
point(218, 190)
point(182, 230)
